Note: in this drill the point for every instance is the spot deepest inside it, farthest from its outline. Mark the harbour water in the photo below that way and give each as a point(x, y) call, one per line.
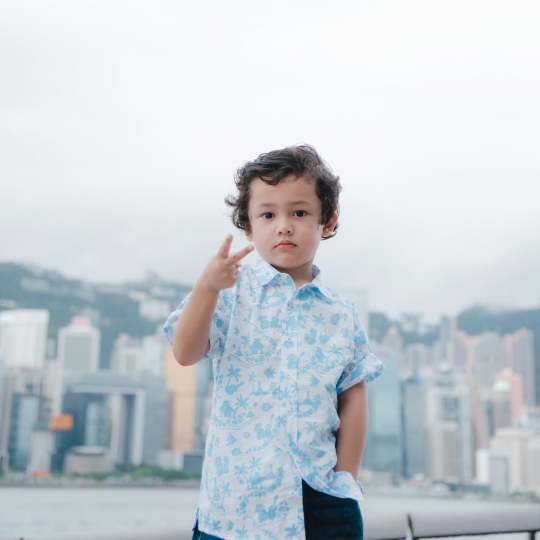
point(40, 511)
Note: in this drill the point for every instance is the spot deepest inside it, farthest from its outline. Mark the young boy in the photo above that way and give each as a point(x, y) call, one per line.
point(290, 359)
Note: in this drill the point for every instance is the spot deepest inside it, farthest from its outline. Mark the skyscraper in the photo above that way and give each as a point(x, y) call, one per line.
point(515, 383)
point(459, 349)
point(23, 337)
point(514, 442)
point(446, 331)
point(519, 348)
point(153, 353)
point(486, 358)
point(126, 355)
point(502, 412)
point(20, 396)
point(533, 463)
point(383, 448)
point(181, 383)
point(418, 361)
point(443, 451)
point(448, 411)
point(413, 400)
point(78, 346)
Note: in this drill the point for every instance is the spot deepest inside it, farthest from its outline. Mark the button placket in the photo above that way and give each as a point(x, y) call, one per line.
point(288, 346)
point(291, 374)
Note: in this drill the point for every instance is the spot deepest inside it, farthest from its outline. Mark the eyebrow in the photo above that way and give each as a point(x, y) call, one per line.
point(292, 203)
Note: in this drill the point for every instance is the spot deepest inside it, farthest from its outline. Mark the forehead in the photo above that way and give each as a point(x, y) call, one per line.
point(288, 192)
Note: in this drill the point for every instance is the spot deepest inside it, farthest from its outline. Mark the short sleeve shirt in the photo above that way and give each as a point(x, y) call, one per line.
point(281, 355)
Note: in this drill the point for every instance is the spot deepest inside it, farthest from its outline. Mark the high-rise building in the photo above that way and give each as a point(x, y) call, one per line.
point(413, 400)
point(493, 469)
point(533, 463)
point(502, 404)
point(447, 328)
point(153, 353)
point(181, 383)
point(499, 472)
point(479, 415)
point(448, 418)
point(383, 450)
point(393, 341)
point(443, 451)
point(515, 385)
point(20, 401)
point(519, 348)
point(78, 346)
point(417, 362)
point(459, 349)
point(486, 357)
point(126, 355)
point(514, 442)
point(23, 337)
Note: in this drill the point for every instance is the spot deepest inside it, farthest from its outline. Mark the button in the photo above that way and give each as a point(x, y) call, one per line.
point(288, 375)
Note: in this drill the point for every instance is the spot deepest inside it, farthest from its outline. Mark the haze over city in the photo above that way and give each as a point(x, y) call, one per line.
point(117, 152)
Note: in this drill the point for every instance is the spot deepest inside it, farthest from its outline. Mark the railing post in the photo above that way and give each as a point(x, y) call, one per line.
point(410, 532)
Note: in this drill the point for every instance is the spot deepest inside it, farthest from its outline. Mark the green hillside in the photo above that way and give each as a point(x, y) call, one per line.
point(34, 288)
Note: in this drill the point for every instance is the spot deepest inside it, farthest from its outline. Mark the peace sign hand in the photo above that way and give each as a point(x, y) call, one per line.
point(222, 272)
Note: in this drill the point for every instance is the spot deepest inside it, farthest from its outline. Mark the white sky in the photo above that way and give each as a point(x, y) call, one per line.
point(122, 123)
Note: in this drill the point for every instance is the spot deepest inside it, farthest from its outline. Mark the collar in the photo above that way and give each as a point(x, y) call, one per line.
point(265, 273)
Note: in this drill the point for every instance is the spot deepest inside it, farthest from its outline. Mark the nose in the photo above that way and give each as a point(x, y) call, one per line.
point(284, 226)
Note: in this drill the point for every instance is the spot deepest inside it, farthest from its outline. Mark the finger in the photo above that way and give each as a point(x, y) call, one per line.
point(224, 249)
point(238, 264)
point(235, 257)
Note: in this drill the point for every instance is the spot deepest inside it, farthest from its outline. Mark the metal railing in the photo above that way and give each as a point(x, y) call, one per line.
point(386, 526)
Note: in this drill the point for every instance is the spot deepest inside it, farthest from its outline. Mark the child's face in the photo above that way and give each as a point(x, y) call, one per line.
point(285, 224)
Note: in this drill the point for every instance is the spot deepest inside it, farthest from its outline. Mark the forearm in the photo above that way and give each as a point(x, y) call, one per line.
point(352, 433)
point(190, 339)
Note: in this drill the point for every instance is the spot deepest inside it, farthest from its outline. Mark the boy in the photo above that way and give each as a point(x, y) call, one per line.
point(290, 359)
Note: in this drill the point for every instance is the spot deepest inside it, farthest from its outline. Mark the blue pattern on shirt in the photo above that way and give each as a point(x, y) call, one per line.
point(281, 356)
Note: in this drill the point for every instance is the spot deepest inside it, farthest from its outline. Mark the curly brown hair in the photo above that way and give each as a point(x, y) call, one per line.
point(299, 161)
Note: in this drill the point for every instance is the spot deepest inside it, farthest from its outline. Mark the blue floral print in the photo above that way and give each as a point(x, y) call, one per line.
point(281, 355)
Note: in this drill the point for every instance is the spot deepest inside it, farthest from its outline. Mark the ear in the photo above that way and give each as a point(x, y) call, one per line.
point(329, 227)
point(249, 235)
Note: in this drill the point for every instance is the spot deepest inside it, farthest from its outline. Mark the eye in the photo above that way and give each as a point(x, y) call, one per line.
point(300, 213)
point(267, 215)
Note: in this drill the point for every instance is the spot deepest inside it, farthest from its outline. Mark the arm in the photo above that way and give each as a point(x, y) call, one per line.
point(191, 333)
point(190, 340)
point(352, 433)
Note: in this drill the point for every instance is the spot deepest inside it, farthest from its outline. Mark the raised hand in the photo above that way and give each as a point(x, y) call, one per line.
point(222, 272)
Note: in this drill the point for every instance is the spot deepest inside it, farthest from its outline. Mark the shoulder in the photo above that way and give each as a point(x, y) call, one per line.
point(340, 301)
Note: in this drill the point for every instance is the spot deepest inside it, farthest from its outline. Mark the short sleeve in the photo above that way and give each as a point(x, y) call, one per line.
point(219, 327)
point(364, 365)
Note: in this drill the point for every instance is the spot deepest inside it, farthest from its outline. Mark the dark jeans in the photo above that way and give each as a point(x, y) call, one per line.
point(326, 517)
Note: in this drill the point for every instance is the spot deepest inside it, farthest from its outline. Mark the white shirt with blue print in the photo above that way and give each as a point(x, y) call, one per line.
point(281, 355)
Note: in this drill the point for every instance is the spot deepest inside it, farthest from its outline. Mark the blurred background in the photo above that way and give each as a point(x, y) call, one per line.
point(121, 127)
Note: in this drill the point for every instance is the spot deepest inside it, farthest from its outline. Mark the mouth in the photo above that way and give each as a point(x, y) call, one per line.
point(285, 245)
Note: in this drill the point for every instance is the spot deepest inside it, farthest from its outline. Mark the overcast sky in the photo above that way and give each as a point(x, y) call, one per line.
point(122, 124)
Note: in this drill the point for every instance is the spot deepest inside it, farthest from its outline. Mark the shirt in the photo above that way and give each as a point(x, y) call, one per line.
point(281, 355)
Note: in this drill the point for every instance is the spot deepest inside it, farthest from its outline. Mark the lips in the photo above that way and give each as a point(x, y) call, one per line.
point(285, 245)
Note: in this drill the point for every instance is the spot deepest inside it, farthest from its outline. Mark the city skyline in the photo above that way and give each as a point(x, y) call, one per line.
point(450, 411)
